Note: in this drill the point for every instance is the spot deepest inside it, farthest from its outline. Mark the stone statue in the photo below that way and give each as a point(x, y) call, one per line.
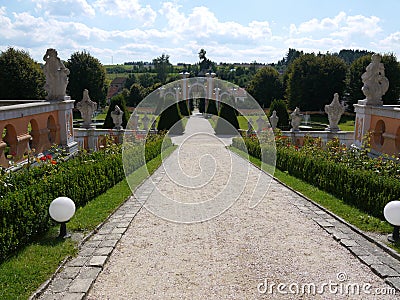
point(295, 119)
point(116, 116)
point(135, 120)
point(205, 63)
point(334, 111)
point(261, 124)
point(87, 108)
point(273, 119)
point(145, 121)
point(56, 76)
point(375, 82)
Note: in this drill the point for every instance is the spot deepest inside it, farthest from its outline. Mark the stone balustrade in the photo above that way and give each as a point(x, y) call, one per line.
point(34, 126)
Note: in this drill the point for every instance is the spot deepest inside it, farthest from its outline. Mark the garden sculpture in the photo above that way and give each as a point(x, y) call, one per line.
point(334, 111)
point(56, 76)
point(87, 108)
point(375, 82)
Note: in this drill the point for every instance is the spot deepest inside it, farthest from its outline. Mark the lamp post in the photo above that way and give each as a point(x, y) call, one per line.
point(392, 215)
point(61, 210)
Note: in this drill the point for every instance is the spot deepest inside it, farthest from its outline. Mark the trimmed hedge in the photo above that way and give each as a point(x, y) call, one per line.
point(365, 189)
point(24, 206)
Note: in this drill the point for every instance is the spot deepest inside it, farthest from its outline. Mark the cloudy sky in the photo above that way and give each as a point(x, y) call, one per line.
point(230, 31)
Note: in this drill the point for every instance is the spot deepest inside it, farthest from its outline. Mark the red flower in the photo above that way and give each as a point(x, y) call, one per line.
point(53, 162)
point(48, 156)
point(43, 158)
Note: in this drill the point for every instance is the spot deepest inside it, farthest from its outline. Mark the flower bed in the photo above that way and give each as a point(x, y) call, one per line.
point(27, 194)
point(347, 173)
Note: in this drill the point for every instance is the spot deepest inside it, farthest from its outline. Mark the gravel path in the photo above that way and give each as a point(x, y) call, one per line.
point(169, 252)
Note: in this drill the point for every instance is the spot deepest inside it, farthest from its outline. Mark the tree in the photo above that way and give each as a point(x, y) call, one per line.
point(86, 72)
point(135, 95)
point(266, 86)
point(170, 118)
point(120, 101)
point(227, 123)
point(212, 107)
point(20, 76)
point(163, 67)
point(312, 81)
point(147, 79)
point(281, 111)
point(392, 72)
point(184, 108)
point(354, 82)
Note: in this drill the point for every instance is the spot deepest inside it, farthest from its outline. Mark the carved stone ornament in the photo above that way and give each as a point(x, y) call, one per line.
point(375, 82)
point(116, 116)
point(296, 119)
point(273, 119)
point(334, 110)
point(56, 76)
point(87, 107)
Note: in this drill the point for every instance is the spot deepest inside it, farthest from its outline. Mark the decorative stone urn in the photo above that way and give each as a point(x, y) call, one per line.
point(273, 119)
point(116, 116)
point(87, 107)
point(296, 119)
point(334, 111)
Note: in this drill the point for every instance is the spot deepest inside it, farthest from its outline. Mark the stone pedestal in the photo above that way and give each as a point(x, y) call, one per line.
point(66, 130)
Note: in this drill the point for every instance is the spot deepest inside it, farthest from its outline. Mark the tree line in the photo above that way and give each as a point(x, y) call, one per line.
point(305, 80)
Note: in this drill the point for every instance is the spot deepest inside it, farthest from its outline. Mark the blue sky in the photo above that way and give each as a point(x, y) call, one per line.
point(230, 31)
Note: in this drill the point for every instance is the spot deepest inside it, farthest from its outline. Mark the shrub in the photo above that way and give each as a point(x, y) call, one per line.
point(356, 183)
point(227, 116)
point(24, 206)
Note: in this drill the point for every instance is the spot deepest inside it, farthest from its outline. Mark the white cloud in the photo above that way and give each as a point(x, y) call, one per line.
point(65, 7)
point(340, 26)
point(202, 23)
point(127, 9)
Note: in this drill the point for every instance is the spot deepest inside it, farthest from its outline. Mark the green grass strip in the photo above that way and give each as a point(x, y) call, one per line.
point(22, 274)
point(347, 212)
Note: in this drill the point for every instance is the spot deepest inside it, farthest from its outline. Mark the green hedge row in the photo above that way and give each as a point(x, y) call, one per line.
point(24, 206)
point(367, 190)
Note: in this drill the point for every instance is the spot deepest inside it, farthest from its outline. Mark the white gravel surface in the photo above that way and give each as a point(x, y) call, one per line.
point(233, 255)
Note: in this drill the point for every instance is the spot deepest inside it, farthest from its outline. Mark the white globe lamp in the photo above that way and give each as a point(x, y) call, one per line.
point(392, 215)
point(61, 210)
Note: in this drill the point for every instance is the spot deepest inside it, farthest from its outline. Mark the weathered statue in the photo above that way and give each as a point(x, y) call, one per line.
point(295, 119)
point(116, 116)
point(273, 119)
point(375, 82)
point(56, 76)
point(334, 111)
point(205, 63)
point(87, 107)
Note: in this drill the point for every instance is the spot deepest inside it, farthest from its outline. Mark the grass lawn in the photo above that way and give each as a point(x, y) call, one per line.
point(346, 122)
point(23, 273)
point(351, 214)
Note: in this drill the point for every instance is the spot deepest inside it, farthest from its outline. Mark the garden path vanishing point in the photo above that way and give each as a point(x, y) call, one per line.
point(281, 249)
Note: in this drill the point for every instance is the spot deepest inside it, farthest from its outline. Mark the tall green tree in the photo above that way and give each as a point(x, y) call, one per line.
point(227, 123)
point(20, 76)
point(265, 86)
point(86, 72)
point(135, 95)
point(281, 111)
point(313, 79)
point(163, 67)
